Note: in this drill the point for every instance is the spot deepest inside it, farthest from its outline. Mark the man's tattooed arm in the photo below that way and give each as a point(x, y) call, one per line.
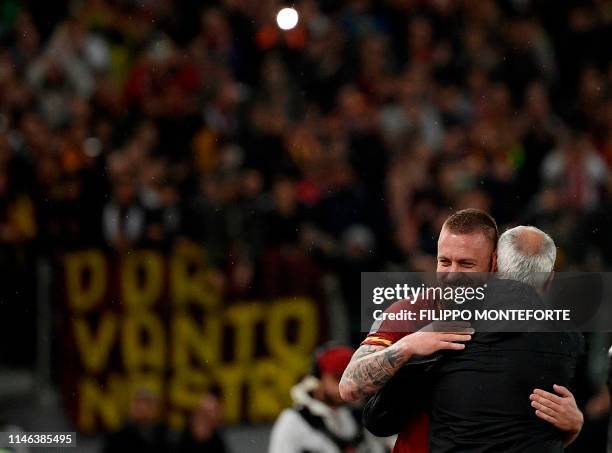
point(370, 369)
point(372, 366)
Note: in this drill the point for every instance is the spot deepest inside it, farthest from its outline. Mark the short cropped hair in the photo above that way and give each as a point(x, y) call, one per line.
point(523, 260)
point(472, 220)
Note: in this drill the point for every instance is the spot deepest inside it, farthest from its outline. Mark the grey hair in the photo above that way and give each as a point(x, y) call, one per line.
point(517, 261)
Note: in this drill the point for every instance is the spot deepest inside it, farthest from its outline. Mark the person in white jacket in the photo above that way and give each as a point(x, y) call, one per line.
point(319, 421)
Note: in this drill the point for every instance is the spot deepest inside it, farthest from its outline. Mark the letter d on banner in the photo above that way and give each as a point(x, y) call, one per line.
point(85, 279)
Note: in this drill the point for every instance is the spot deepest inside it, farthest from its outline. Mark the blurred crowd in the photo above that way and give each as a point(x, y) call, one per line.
point(145, 432)
point(333, 148)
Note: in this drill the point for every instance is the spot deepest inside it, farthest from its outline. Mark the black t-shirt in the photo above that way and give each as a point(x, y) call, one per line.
point(480, 396)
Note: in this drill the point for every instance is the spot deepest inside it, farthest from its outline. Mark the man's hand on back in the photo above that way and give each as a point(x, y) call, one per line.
point(427, 343)
point(559, 410)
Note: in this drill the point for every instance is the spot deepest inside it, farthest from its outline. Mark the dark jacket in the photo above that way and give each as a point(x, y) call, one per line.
point(479, 397)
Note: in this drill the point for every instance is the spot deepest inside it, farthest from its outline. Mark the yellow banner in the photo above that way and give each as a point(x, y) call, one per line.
point(158, 321)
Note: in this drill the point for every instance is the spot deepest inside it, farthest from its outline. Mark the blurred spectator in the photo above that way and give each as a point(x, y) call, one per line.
point(143, 431)
point(323, 151)
point(319, 420)
point(578, 171)
point(123, 218)
point(287, 266)
point(159, 198)
point(146, 118)
point(202, 433)
point(208, 220)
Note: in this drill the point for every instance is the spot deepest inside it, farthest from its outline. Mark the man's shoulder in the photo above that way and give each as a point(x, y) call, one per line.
point(387, 329)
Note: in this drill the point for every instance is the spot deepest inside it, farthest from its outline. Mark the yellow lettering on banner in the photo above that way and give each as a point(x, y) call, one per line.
point(295, 354)
point(244, 317)
point(266, 396)
point(289, 377)
point(230, 378)
point(198, 340)
point(142, 279)
point(94, 347)
point(190, 279)
point(143, 342)
point(99, 402)
point(83, 297)
point(186, 388)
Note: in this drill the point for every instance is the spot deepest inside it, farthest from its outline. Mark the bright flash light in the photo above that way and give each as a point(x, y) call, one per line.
point(287, 18)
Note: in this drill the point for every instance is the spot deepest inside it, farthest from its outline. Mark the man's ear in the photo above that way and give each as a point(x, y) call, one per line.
point(494, 261)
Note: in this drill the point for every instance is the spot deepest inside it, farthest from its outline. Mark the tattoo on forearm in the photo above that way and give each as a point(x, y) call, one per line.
point(364, 351)
point(370, 370)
